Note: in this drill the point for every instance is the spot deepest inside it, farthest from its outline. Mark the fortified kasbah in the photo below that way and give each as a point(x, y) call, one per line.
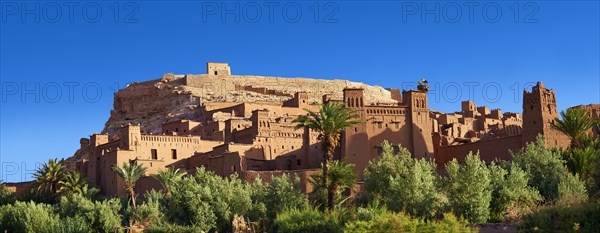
point(243, 124)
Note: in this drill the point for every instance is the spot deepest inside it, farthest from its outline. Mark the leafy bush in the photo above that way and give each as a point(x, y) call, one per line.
point(469, 189)
point(207, 201)
point(6, 196)
point(382, 221)
point(578, 218)
point(306, 220)
point(377, 174)
point(571, 190)
point(102, 216)
point(404, 183)
point(511, 196)
point(27, 217)
point(172, 228)
point(284, 194)
point(75, 224)
point(544, 166)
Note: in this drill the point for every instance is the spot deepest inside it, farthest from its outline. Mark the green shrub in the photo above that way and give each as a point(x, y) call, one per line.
point(6, 196)
point(579, 218)
point(102, 216)
point(511, 196)
point(469, 189)
point(571, 190)
point(306, 220)
point(544, 166)
point(27, 217)
point(404, 183)
point(75, 224)
point(385, 221)
point(208, 201)
point(172, 228)
point(284, 194)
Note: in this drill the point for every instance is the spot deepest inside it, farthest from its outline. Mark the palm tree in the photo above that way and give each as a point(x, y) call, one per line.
point(48, 176)
point(168, 178)
point(130, 173)
point(575, 123)
point(582, 161)
point(341, 176)
point(331, 119)
point(72, 183)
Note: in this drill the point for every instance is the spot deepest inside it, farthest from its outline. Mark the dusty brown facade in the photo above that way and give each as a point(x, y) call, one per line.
point(251, 133)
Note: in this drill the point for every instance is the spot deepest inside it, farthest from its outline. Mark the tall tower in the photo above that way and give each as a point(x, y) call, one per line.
point(130, 137)
point(539, 112)
point(420, 123)
point(355, 146)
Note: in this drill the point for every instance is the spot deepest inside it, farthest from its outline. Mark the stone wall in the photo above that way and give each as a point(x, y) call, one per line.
point(489, 150)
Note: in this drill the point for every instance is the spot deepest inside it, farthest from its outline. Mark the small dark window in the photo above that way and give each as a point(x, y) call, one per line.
point(299, 162)
point(233, 168)
point(176, 129)
point(355, 129)
point(154, 154)
point(379, 150)
point(215, 72)
point(174, 153)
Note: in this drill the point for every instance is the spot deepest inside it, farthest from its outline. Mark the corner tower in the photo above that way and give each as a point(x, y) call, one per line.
point(539, 112)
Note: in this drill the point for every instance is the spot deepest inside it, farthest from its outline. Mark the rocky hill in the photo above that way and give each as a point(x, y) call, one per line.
point(178, 96)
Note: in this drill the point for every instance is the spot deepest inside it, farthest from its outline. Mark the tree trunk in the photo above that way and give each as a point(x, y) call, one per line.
point(328, 158)
point(330, 196)
point(132, 194)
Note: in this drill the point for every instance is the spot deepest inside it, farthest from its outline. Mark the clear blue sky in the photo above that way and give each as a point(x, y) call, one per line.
point(73, 50)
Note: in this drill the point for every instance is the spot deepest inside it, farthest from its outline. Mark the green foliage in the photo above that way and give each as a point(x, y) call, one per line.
point(417, 192)
point(469, 190)
point(306, 220)
point(258, 194)
point(130, 174)
point(27, 217)
point(575, 123)
point(48, 176)
point(404, 183)
point(341, 176)
point(544, 166)
point(72, 183)
point(6, 196)
point(284, 194)
point(571, 190)
point(207, 201)
point(75, 224)
point(150, 211)
point(578, 218)
point(330, 121)
point(378, 173)
point(102, 216)
point(379, 220)
point(173, 228)
point(582, 161)
point(511, 196)
point(168, 178)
